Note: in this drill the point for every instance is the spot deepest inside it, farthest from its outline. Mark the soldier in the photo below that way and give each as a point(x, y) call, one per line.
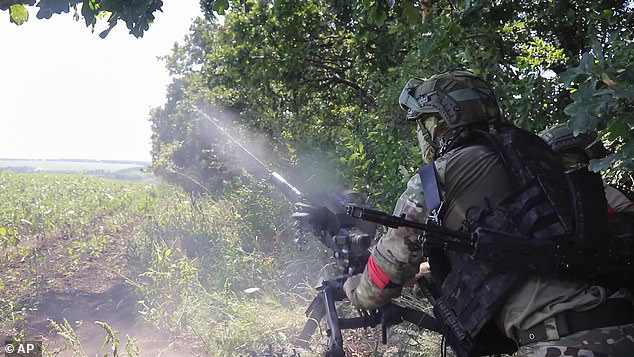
point(576, 151)
point(472, 182)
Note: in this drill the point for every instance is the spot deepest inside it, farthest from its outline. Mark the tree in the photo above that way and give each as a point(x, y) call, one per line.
point(560, 61)
point(137, 14)
point(550, 61)
point(306, 77)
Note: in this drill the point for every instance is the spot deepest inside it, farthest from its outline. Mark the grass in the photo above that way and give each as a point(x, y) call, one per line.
point(221, 275)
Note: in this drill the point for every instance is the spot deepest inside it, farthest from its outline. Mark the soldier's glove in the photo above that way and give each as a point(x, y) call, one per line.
point(313, 219)
point(350, 287)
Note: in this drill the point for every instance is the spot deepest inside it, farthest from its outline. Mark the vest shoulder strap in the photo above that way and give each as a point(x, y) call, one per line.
point(431, 190)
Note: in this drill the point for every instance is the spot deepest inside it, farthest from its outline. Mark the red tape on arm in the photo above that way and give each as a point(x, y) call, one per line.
point(377, 275)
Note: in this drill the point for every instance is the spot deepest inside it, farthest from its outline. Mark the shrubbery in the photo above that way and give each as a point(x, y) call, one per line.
point(224, 271)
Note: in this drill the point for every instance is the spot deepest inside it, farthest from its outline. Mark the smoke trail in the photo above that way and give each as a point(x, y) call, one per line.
point(216, 122)
point(316, 179)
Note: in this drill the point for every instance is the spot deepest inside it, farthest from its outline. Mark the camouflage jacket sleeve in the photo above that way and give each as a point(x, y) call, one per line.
point(397, 253)
point(617, 201)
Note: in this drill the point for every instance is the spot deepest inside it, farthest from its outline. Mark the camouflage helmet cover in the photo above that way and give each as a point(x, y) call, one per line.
point(561, 138)
point(459, 97)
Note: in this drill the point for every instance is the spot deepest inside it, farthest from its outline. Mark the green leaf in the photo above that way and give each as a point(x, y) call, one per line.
point(89, 11)
point(581, 119)
point(624, 93)
point(568, 76)
point(411, 13)
point(220, 6)
point(587, 63)
point(104, 33)
point(19, 14)
point(405, 175)
point(602, 164)
point(585, 67)
point(50, 7)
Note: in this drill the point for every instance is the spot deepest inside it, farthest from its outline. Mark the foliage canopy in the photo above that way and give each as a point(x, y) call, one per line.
point(137, 14)
point(320, 79)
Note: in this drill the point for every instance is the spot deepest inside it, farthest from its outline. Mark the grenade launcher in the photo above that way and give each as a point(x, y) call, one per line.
point(349, 238)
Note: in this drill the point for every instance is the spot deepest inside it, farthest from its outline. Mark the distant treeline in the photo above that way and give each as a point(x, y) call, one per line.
point(116, 169)
point(123, 162)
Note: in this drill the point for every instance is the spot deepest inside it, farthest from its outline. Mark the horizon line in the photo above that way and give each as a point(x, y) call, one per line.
point(83, 160)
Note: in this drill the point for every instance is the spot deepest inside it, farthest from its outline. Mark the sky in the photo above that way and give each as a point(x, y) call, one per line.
point(65, 93)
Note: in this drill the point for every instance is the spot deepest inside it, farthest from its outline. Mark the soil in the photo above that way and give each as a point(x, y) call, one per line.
point(62, 287)
point(81, 291)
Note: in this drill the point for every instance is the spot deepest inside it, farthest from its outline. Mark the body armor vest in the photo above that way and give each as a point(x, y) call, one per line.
point(543, 213)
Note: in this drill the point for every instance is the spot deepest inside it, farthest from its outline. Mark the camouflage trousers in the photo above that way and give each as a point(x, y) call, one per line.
point(614, 341)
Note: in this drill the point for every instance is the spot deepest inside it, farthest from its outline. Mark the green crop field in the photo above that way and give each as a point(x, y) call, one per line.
point(156, 272)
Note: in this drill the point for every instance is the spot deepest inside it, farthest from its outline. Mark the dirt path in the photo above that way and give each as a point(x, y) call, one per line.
point(81, 290)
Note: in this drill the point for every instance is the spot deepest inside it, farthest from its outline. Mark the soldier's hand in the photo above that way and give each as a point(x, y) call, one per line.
point(364, 294)
point(350, 287)
point(423, 270)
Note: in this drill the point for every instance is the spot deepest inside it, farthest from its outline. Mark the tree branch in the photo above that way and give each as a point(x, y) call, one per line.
point(6, 4)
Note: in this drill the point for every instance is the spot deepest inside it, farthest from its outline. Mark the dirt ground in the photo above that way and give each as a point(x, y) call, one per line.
point(61, 286)
point(81, 291)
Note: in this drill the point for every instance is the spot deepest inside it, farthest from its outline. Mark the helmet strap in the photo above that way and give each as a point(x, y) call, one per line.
point(429, 141)
point(456, 138)
point(448, 141)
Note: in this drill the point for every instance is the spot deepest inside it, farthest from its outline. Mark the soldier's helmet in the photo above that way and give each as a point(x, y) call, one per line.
point(583, 146)
point(458, 97)
point(445, 102)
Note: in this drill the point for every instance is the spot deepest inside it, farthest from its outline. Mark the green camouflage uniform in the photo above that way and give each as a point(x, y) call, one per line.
point(616, 341)
point(478, 178)
point(398, 252)
point(474, 177)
